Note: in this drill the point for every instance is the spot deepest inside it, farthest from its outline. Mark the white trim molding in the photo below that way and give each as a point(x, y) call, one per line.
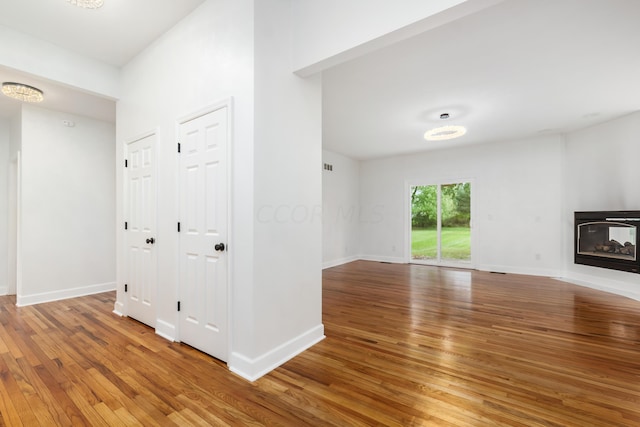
point(528, 271)
point(24, 300)
point(118, 308)
point(602, 284)
point(166, 330)
point(389, 259)
point(341, 261)
point(253, 369)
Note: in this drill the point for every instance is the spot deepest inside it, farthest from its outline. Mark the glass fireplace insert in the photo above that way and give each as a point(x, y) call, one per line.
point(608, 239)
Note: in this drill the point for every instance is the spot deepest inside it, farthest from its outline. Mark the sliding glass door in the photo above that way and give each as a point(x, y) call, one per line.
point(441, 224)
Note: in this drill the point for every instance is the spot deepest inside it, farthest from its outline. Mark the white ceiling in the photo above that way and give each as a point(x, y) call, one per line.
point(112, 34)
point(519, 69)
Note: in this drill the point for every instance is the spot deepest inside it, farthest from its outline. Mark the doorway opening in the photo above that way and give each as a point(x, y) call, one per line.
point(441, 224)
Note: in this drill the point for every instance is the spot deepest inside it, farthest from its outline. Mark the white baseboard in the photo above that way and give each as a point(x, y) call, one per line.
point(393, 260)
point(118, 308)
point(4, 290)
point(165, 330)
point(602, 284)
point(528, 271)
point(24, 300)
point(617, 287)
point(341, 261)
point(162, 328)
point(252, 369)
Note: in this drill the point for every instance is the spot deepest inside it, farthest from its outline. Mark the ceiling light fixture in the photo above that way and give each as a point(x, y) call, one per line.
point(22, 92)
point(87, 4)
point(445, 132)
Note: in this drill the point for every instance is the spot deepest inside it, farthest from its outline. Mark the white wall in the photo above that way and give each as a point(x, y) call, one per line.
point(601, 174)
point(205, 58)
point(524, 197)
point(214, 54)
point(5, 143)
point(14, 274)
point(16, 134)
point(287, 305)
point(516, 203)
point(326, 34)
point(340, 210)
point(67, 207)
point(41, 58)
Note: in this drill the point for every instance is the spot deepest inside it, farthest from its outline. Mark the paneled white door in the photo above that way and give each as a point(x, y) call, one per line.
point(140, 216)
point(203, 233)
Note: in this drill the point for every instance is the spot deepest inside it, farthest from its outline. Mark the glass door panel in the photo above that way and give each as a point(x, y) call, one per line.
point(455, 233)
point(424, 222)
point(440, 224)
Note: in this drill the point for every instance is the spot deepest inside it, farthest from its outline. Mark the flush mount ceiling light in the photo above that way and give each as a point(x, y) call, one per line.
point(22, 92)
point(87, 4)
point(445, 132)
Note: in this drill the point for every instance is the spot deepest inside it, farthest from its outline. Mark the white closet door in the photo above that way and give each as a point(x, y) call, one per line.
point(203, 233)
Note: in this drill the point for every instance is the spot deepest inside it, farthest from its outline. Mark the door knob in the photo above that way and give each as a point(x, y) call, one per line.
point(151, 241)
point(219, 247)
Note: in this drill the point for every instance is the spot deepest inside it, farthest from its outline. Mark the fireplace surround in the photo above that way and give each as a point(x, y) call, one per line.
point(608, 239)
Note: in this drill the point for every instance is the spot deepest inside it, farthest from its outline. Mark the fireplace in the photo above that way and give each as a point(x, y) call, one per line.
point(608, 239)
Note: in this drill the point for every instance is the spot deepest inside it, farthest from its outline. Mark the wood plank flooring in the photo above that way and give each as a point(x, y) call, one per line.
point(406, 345)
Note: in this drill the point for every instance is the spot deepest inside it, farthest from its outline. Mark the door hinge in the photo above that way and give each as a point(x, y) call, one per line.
point(178, 147)
point(126, 287)
point(126, 163)
point(178, 305)
point(126, 226)
point(178, 227)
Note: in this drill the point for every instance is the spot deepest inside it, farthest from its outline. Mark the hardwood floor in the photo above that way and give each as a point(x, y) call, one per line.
point(406, 345)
